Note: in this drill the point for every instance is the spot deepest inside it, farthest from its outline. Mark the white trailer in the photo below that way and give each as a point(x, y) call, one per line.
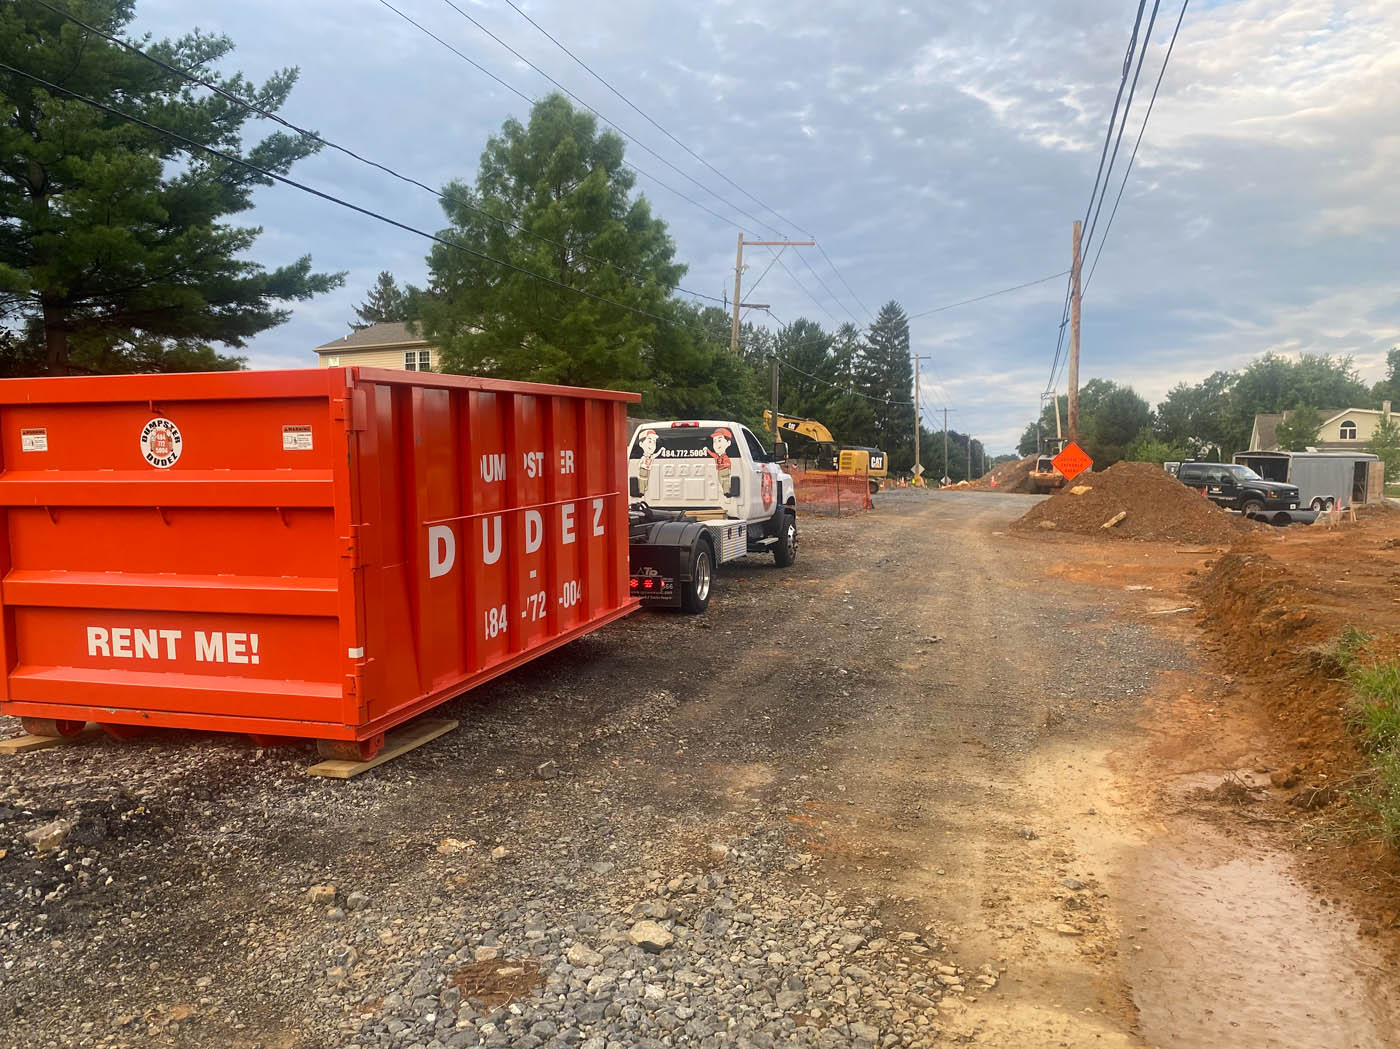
point(1324, 479)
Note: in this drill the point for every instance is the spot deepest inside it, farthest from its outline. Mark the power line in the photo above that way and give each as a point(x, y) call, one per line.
point(826, 289)
point(1129, 169)
point(313, 136)
point(838, 386)
point(190, 146)
point(755, 284)
point(842, 278)
point(514, 90)
point(989, 295)
point(819, 304)
point(552, 39)
point(1123, 124)
point(620, 130)
point(1098, 176)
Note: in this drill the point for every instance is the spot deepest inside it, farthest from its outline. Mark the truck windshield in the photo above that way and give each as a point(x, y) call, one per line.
point(1244, 473)
point(690, 442)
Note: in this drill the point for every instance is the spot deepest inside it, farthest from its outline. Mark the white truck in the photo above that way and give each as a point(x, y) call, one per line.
point(713, 482)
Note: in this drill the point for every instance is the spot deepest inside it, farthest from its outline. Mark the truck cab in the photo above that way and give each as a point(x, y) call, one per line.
point(719, 473)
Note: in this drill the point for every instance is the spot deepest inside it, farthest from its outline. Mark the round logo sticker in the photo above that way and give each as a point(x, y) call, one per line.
point(160, 443)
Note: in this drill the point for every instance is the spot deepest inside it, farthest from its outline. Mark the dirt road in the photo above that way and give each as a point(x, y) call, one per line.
point(936, 782)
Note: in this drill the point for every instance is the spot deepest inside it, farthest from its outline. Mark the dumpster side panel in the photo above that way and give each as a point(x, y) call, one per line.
point(495, 528)
point(171, 551)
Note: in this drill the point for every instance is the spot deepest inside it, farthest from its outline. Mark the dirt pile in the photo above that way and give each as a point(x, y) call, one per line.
point(1008, 477)
point(1156, 504)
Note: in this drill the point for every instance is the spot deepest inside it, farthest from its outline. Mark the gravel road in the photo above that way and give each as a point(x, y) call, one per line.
point(774, 825)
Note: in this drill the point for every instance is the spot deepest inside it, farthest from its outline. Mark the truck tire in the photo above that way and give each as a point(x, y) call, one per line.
point(1252, 506)
point(695, 595)
point(1317, 504)
point(785, 551)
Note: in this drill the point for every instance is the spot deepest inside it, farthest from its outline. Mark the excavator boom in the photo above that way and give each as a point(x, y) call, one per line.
point(806, 427)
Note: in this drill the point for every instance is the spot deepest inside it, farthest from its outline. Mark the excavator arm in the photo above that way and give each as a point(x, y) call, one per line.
point(806, 427)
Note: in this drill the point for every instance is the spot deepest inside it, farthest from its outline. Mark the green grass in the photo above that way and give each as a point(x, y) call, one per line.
point(1373, 715)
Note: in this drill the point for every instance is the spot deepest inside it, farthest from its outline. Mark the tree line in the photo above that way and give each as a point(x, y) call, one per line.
point(118, 253)
point(1213, 419)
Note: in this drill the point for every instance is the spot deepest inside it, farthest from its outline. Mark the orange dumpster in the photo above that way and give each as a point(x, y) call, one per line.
point(322, 553)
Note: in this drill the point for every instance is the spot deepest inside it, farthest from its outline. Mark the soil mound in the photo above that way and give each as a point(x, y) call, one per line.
point(1156, 504)
point(1008, 477)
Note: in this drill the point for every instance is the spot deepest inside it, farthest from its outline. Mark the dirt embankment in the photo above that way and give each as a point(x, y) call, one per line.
point(1009, 477)
point(1157, 507)
point(1272, 611)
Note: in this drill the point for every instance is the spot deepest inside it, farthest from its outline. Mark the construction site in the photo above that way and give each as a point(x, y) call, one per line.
point(822, 817)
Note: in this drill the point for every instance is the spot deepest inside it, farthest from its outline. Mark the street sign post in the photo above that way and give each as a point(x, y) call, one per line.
point(1072, 462)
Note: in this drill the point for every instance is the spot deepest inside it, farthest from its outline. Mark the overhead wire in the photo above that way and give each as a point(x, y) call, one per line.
point(645, 116)
point(1098, 177)
point(192, 146)
point(825, 288)
point(842, 278)
point(626, 163)
point(267, 114)
point(988, 295)
point(612, 124)
point(1141, 131)
point(1122, 124)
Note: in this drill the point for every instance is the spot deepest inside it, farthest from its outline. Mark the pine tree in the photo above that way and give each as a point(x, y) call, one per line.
point(114, 250)
point(564, 183)
point(889, 379)
point(386, 301)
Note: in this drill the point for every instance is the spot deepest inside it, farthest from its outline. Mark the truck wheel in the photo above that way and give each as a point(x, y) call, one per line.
point(785, 552)
point(1251, 506)
point(1317, 504)
point(695, 595)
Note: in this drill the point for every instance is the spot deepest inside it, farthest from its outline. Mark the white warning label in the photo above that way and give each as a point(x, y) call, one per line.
point(296, 438)
point(34, 439)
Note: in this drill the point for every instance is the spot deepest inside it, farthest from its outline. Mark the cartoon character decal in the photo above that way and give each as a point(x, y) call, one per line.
point(720, 442)
point(647, 442)
point(766, 489)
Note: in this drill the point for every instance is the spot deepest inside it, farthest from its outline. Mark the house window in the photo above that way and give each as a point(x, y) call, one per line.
point(417, 360)
point(1348, 430)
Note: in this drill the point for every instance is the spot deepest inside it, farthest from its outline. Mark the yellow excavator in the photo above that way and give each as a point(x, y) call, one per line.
point(831, 457)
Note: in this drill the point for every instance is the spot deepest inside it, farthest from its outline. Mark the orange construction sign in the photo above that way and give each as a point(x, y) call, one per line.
point(1072, 462)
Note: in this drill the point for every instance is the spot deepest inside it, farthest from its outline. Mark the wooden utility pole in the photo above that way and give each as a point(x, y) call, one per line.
point(945, 446)
point(969, 458)
point(738, 280)
point(1073, 339)
point(917, 412)
point(776, 429)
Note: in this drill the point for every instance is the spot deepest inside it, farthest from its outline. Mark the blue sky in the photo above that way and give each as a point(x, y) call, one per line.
point(937, 151)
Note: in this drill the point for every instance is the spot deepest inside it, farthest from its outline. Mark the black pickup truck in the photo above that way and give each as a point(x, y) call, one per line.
point(1238, 487)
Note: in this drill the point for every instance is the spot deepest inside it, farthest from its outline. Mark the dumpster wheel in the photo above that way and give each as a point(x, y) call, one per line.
point(52, 727)
point(350, 749)
point(119, 731)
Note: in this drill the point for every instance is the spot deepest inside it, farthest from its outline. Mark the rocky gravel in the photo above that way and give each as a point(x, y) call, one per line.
point(614, 850)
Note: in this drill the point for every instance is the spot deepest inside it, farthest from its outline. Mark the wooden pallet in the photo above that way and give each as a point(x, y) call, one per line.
point(26, 743)
point(400, 741)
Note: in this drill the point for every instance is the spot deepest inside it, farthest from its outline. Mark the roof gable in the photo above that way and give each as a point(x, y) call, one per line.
point(384, 334)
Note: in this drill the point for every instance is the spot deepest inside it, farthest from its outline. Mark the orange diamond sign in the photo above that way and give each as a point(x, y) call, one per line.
point(1072, 461)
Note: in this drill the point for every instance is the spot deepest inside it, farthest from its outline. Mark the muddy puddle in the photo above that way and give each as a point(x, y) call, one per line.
point(1223, 949)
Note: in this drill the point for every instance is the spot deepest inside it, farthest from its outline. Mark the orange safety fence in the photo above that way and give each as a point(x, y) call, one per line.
point(823, 492)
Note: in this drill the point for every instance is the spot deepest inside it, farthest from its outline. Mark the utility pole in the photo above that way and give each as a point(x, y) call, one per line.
point(969, 458)
point(917, 413)
point(776, 429)
point(1073, 339)
point(945, 442)
point(738, 279)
